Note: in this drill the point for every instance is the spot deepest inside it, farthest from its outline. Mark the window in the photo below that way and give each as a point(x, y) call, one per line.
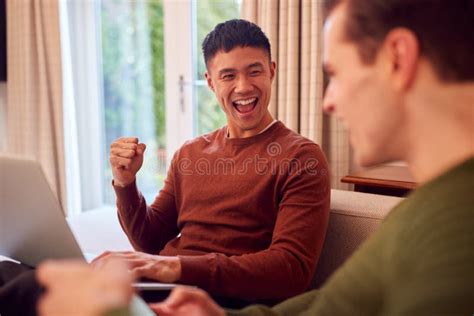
point(135, 69)
point(208, 114)
point(133, 85)
point(189, 101)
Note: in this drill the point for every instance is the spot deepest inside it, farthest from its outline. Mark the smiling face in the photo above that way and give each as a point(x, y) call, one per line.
point(241, 80)
point(362, 96)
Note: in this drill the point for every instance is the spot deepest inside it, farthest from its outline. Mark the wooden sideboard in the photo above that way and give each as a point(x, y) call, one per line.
point(383, 179)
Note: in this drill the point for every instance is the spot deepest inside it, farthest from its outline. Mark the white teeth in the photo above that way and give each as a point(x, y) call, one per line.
point(245, 102)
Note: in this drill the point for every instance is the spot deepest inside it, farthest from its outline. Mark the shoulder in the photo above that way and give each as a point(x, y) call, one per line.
point(200, 143)
point(435, 223)
point(296, 146)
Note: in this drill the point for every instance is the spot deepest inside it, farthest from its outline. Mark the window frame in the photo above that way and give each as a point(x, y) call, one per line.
point(83, 94)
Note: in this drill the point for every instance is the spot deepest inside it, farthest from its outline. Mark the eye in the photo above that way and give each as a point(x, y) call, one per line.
point(255, 72)
point(227, 77)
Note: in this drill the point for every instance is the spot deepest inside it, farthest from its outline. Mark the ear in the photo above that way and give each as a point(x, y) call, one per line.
point(403, 52)
point(272, 70)
point(209, 81)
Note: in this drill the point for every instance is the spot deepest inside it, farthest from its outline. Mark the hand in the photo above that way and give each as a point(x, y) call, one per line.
point(126, 158)
point(188, 301)
point(160, 268)
point(74, 288)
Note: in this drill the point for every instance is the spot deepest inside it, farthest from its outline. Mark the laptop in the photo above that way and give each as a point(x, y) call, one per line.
point(33, 227)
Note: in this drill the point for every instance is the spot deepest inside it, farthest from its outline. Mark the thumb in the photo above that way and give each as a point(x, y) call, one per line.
point(181, 295)
point(141, 148)
point(161, 309)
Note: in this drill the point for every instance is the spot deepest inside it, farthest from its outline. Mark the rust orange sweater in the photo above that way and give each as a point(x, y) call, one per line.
point(247, 217)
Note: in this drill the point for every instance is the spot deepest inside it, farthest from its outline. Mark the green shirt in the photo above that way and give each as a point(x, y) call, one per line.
point(419, 262)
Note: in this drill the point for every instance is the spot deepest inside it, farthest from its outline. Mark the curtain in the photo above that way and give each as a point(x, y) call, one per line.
point(294, 28)
point(3, 100)
point(34, 106)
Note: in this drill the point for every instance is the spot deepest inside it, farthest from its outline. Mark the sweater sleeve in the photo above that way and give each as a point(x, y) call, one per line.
point(291, 307)
point(148, 228)
point(286, 267)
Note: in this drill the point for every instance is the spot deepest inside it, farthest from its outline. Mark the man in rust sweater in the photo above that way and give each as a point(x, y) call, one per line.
point(244, 209)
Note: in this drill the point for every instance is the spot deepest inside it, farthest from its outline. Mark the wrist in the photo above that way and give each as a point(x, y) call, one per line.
point(121, 184)
point(175, 267)
point(171, 269)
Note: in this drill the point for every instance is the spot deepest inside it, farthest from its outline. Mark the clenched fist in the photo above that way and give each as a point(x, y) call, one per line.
point(126, 158)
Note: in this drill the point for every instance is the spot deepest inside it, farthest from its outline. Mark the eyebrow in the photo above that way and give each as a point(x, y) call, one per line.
point(257, 64)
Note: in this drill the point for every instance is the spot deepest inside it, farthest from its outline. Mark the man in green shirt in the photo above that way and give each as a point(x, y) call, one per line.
point(402, 79)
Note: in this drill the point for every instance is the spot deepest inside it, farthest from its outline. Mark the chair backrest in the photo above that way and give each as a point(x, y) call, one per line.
point(354, 216)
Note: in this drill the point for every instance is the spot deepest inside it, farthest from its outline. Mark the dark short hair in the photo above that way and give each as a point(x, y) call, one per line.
point(230, 34)
point(445, 30)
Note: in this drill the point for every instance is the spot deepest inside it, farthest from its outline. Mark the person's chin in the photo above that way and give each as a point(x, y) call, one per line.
point(364, 162)
point(249, 121)
point(372, 158)
point(364, 158)
point(247, 126)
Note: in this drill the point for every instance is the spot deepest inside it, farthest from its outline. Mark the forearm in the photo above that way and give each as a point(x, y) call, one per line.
point(269, 274)
point(147, 229)
point(253, 310)
point(289, 262)
point(291, 307)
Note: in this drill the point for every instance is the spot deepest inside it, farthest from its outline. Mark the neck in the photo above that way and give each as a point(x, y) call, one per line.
point(237, 132)
point(445, 137)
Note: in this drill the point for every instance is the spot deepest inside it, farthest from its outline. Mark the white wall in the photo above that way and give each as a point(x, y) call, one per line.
point(3, 102)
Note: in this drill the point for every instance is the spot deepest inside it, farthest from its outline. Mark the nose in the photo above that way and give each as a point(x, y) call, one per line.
point(243, 85)
point(329, 106)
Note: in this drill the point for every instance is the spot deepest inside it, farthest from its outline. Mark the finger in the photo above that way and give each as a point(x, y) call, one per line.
point(131, 146)
point(118, 270)
point(110, 255)
point(45, 272)
point(59, 270)
point(43, 307)
point(144, 270)
point(141, 148)
point(124, 153)
point(136, 263)
point(161, 309)
point(101, 256)
point(127, 140)
point(102, 260)
point(120, 162)
point(184, 294)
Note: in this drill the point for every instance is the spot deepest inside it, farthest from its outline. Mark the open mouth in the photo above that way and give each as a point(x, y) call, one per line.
point(245, 105)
